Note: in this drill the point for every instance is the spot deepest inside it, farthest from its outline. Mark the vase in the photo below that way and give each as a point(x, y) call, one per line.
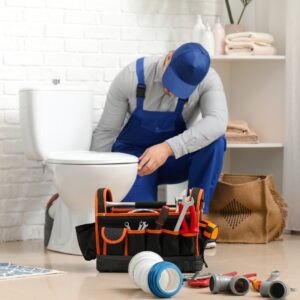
point(233, 28)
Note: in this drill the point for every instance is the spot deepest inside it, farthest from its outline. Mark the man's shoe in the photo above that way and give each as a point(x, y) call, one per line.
point(211, 244)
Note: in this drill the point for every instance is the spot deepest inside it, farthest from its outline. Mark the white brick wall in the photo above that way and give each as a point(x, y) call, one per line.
point(84, 42)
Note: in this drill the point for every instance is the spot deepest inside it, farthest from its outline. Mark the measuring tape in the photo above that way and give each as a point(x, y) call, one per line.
point(209, 229)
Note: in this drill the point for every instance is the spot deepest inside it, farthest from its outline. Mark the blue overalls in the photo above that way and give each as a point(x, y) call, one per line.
point(144, 129)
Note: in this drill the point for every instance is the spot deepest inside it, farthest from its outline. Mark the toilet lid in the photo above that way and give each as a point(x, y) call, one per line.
point(90, 158)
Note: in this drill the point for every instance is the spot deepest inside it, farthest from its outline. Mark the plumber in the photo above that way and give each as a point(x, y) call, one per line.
point(171, 112)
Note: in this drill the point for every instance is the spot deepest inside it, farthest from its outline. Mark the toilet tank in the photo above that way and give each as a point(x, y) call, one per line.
point(55, 119)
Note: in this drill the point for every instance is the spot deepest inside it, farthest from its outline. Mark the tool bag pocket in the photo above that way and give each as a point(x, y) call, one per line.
point(113, 241)
point(136, 241)
point(179, 244)
point(170, 243)
point(87, 240)
point(153, 240)
point(188, 244)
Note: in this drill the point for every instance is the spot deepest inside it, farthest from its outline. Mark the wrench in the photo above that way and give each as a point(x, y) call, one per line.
point(127, 225)
point(145, 225)
point(141, 224)
point(186, 204)
point(178, 200)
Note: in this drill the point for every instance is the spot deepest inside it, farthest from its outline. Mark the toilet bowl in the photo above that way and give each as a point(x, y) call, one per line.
point(56, 126)
point(78, 174)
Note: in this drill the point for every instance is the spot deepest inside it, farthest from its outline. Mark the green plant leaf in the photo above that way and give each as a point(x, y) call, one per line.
point(229, 12)
point(245, 4)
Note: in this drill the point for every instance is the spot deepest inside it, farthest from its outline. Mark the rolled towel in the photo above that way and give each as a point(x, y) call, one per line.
point(249, 48)
point(249, 36)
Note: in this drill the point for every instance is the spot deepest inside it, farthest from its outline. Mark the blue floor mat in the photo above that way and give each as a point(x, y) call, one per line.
point(10, 271)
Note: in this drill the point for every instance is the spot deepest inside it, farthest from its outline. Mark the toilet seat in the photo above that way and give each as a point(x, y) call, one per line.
point(90, 158)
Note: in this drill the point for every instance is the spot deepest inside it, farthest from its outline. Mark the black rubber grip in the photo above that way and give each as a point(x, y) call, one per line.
point(162, 217)
point(149, 204)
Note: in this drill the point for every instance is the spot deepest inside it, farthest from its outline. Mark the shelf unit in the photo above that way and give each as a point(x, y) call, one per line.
point(255, 91)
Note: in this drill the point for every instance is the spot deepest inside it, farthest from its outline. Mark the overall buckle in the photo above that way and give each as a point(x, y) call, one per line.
point(140, 90)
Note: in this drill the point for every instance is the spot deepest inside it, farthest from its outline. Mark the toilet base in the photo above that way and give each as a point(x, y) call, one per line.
point(60, 223)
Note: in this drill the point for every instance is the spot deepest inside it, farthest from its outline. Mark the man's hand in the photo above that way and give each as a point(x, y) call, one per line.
point(153, 158)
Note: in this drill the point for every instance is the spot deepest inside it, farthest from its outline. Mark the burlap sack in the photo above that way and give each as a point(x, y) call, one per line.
point(247, 209)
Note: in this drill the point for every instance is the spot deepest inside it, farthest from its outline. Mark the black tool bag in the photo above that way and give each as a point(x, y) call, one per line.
point(110, 242)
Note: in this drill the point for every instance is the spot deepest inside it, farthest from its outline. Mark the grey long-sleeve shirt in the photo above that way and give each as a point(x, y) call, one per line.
point(205, 113)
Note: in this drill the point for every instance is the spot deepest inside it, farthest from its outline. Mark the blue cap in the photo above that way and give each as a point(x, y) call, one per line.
point(187, 68)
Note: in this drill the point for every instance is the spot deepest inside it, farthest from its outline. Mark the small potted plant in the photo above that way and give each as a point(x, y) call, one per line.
point(235, 27)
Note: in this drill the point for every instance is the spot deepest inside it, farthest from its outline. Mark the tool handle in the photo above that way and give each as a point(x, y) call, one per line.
point(184, 227)
point(137, 204)
point(149, 204)
point(249, 275)
point(199, 282)
point(194, 222)
point(141, 210)
point(162, 217)
point(256, 284)
point(233, 273)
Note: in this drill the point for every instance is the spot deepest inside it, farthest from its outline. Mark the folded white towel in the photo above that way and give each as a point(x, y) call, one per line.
point(249, 48)
point(249, 36)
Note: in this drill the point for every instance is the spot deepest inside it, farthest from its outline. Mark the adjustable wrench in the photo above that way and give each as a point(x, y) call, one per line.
point(186, 204)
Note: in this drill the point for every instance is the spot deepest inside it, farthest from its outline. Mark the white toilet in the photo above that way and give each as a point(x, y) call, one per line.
point(56, 124)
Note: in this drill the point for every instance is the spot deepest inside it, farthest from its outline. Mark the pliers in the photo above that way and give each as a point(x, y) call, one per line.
point(194, 228)
point(202, 280)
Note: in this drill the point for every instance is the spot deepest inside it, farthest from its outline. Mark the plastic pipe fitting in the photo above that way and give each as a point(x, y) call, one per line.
point(274, 289)
point(237, 285)
point(154, 275)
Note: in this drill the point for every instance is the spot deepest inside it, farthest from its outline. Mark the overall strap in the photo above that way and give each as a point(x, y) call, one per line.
point(180, 105)
point(141, 87)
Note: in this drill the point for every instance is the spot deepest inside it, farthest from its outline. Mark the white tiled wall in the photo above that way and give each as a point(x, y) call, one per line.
point(85, 42)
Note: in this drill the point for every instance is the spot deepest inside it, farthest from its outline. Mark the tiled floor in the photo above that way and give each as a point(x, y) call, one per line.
point(82, 281)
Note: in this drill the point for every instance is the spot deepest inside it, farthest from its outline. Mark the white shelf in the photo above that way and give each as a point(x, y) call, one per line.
point(257, 146)
point(247, 57)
